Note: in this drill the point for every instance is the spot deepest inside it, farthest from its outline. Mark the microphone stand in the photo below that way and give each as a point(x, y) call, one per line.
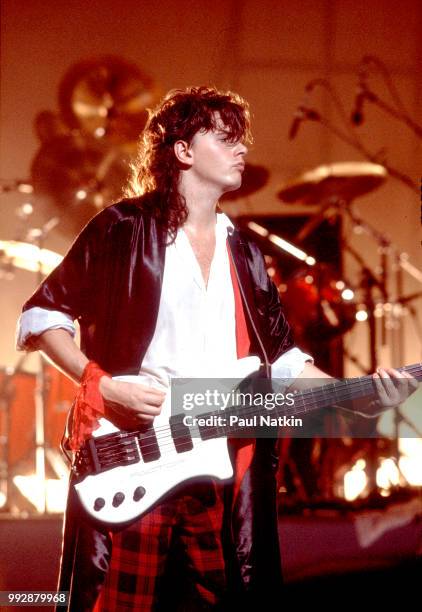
point(351, 137)
point(353, 141)
point(370, 96)
point(399, 112)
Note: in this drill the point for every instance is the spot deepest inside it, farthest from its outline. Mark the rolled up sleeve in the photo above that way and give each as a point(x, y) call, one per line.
point(289, 365)
point(36, 321)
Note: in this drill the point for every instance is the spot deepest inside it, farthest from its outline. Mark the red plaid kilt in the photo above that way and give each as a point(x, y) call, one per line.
point(175, 547)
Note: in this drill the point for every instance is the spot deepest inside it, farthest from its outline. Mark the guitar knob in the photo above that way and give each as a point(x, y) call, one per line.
point(138, 493)
point(118, 499)
point(99, 503)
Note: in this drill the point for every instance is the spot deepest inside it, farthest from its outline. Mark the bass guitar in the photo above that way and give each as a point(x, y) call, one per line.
point(120, 475)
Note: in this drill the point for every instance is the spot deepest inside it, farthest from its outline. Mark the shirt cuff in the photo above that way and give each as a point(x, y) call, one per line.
point(289, 365)
point(36, 321)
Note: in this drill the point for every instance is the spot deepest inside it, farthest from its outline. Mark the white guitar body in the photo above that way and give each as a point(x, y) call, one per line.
point(124, 493)
point(209, 458)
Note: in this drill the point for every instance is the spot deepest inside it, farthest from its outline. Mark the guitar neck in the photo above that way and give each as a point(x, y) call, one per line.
point(344, 390)
point(339, 392)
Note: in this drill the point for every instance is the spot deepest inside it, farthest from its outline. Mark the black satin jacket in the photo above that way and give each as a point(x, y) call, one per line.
point(110, 281)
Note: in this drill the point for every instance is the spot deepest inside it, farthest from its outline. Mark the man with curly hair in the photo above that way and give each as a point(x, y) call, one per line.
point(163, 286)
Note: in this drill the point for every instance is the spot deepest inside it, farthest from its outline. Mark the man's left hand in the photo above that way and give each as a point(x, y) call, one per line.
point(393, 387)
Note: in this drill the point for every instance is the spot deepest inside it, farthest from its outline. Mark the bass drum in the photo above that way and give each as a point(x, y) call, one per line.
point(312, 298)
point(17, 414)
point(17, 418)
point(61, 392)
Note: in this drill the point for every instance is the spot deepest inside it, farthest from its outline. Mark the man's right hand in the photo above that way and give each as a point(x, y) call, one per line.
point(130, 404)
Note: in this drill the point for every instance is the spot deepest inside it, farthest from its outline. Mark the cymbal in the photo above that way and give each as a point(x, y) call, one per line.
point(80, 174)
point(253, 179)
point(339, 181)
point(28, 256)
point(107, 97)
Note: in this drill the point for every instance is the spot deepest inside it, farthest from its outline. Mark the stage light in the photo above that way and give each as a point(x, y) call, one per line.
point(347, 294)
point(81, 194)
point(56, 495)
point(281, 243)
point(378, 311)
point(355, 481)
point(387, 474)
point(258, 229)
point(286, 246)
point(24, 210)
point(411, 460)
point(98, 200)
point(361, 315)
point(25, 188)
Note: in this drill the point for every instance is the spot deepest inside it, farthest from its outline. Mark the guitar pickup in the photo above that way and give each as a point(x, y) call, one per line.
point(148, 444)
point(180, 433)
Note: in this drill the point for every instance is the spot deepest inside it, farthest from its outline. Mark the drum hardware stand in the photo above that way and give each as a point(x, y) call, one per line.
point(40, 396)
point(353, 359)
point(401, 264)
point(406, 301)
point(368, 282)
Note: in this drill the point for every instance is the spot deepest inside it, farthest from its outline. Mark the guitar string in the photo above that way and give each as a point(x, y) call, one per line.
point(167, 440)
point(157, 437)
point(342, 385)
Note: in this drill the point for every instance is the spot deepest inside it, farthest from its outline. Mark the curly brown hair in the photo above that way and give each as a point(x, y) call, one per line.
point(179, 116)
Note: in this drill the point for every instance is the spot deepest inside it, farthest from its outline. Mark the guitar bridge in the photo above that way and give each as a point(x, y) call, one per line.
point(107, 452)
